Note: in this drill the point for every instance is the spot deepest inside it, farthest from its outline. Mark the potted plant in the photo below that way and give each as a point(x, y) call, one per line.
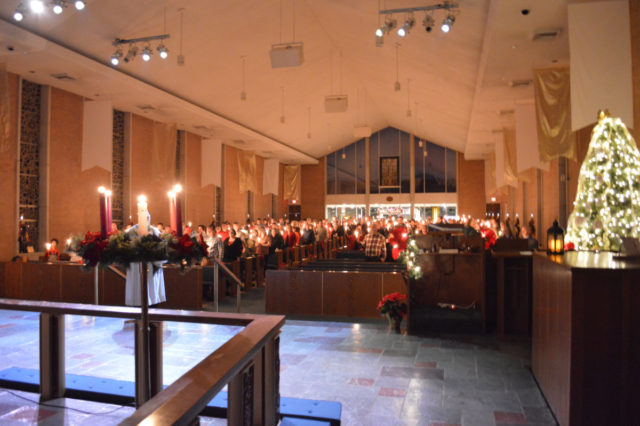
point(394, 307)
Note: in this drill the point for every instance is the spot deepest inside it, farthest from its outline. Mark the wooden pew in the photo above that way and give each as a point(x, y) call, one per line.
point(259, 264)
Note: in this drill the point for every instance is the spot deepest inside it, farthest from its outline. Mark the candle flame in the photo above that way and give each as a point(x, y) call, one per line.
point(177, 188)
point(69, 241)
point(101, 190)
point(142, 199)
point(108, 193)
point(48, 246)
point(172, 194)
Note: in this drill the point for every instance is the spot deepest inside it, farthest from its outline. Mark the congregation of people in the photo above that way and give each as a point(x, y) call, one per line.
point(381, 239)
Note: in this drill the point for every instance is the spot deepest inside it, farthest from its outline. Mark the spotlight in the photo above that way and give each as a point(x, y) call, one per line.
point(164, 52)
point(389, 25)
point(80, 5)
point(406, 27)
point(429, 23)
point(58, 6)
point(146, 53)
point(131, 55)
point(115, 59)
point(37, 6)
point(448, 22)
point(18, 15)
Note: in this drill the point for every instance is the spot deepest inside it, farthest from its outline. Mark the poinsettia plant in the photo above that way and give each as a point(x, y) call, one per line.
point(393, 305)
point(124, 248)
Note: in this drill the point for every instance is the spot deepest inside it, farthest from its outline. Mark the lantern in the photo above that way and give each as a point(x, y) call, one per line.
point(555, 239)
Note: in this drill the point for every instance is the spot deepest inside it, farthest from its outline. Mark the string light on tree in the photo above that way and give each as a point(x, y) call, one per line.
point(607, 205)
point(410, 258)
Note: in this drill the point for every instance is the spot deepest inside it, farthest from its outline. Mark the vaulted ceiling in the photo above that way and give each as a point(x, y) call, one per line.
point(459, 81)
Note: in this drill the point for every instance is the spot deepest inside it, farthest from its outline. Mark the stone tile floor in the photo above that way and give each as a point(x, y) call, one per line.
point(380, 377)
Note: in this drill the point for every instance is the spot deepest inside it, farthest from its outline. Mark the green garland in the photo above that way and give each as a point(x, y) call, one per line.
point(124, 248)
point(409, 257)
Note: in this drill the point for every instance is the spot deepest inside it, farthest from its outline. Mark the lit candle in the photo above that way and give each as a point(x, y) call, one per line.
point(142, 215)
point(48, 246)
point(69, 241)
point(103, 212)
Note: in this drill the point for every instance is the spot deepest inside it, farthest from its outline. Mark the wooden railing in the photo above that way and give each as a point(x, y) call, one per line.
point(249, 363)
point(216, 264)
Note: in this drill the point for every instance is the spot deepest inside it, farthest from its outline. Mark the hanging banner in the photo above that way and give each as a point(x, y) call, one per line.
point(270, 177)
point(5, 110)
point(510, 161)
point(493, 184)
point(291, 182)
point(163, 158)
point(97, 135)
point(553, 113)
point(527, 140)
point(601, 64)
point(212, 162)
point(247, 171)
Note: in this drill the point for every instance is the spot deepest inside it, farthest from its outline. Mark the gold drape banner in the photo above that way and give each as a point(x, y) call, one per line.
point(247, 171)
point(553, 112)
point(493, 185)
point(511, 158)
point(291, 182)
point(163, 164)
point(5, 110)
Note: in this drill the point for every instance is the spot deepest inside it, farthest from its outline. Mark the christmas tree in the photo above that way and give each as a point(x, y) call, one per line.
point(607, 205)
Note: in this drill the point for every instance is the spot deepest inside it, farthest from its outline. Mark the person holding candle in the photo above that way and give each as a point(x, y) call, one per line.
point(155, 280)
point(263, 242)
point(214, 243)
point(52, 251)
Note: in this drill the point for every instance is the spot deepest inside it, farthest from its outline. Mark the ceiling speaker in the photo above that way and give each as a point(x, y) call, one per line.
point(286, 55)
point(336, 103)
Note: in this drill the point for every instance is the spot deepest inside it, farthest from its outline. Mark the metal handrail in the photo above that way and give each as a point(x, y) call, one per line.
point(216, 264)
point(251, 355)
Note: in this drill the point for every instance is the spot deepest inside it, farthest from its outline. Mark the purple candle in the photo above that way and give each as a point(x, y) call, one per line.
point(177, 189)
point(109, 211)
point(103, 212)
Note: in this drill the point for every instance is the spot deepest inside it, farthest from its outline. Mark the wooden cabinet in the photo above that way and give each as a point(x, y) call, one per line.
point(514, 273)
point(586, 337)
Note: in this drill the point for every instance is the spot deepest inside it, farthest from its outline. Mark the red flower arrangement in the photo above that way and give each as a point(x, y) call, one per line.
point(490, 237)
point(91, 247)
point(569, 247)
point(393, 305)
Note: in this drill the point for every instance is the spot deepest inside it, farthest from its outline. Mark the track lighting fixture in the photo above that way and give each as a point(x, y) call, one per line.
point(448, 22)
point(450, 7)
point(406, 27)
point(131, 55)
point(429, 23)
point(133, 49)
point(18, 15)
point(164, 52)
point(115, 59)
point(58, 6)
point(37, 6)
point(146, 54)
point(80, 5)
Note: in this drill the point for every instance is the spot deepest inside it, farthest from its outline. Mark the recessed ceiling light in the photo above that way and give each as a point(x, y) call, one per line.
point(513, 46)
point(37, 6)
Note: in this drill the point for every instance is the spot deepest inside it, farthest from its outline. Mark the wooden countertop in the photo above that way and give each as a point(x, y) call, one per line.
point(589, 260)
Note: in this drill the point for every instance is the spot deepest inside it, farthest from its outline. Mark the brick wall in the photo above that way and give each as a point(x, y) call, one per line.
point(471, 191)
point(312, 190)
point(73, 194)
point(8, 176)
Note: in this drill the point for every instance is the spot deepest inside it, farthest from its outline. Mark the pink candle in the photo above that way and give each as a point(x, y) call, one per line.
point(103, 212)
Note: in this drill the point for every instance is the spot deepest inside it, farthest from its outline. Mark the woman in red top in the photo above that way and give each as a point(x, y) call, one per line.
point(297, 235)
point(52, 251)
point(351, 240)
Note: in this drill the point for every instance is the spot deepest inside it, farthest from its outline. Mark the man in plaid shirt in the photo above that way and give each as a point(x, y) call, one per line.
point(375, 245)
point(214, 243)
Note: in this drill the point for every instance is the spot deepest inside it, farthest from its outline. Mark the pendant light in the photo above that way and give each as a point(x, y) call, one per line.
point(397, 85)
point(243, 94)
point(282, 116)
point(408, 97)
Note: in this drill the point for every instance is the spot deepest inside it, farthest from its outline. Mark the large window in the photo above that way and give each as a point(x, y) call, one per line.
point(345, 211)
point(390, 166)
